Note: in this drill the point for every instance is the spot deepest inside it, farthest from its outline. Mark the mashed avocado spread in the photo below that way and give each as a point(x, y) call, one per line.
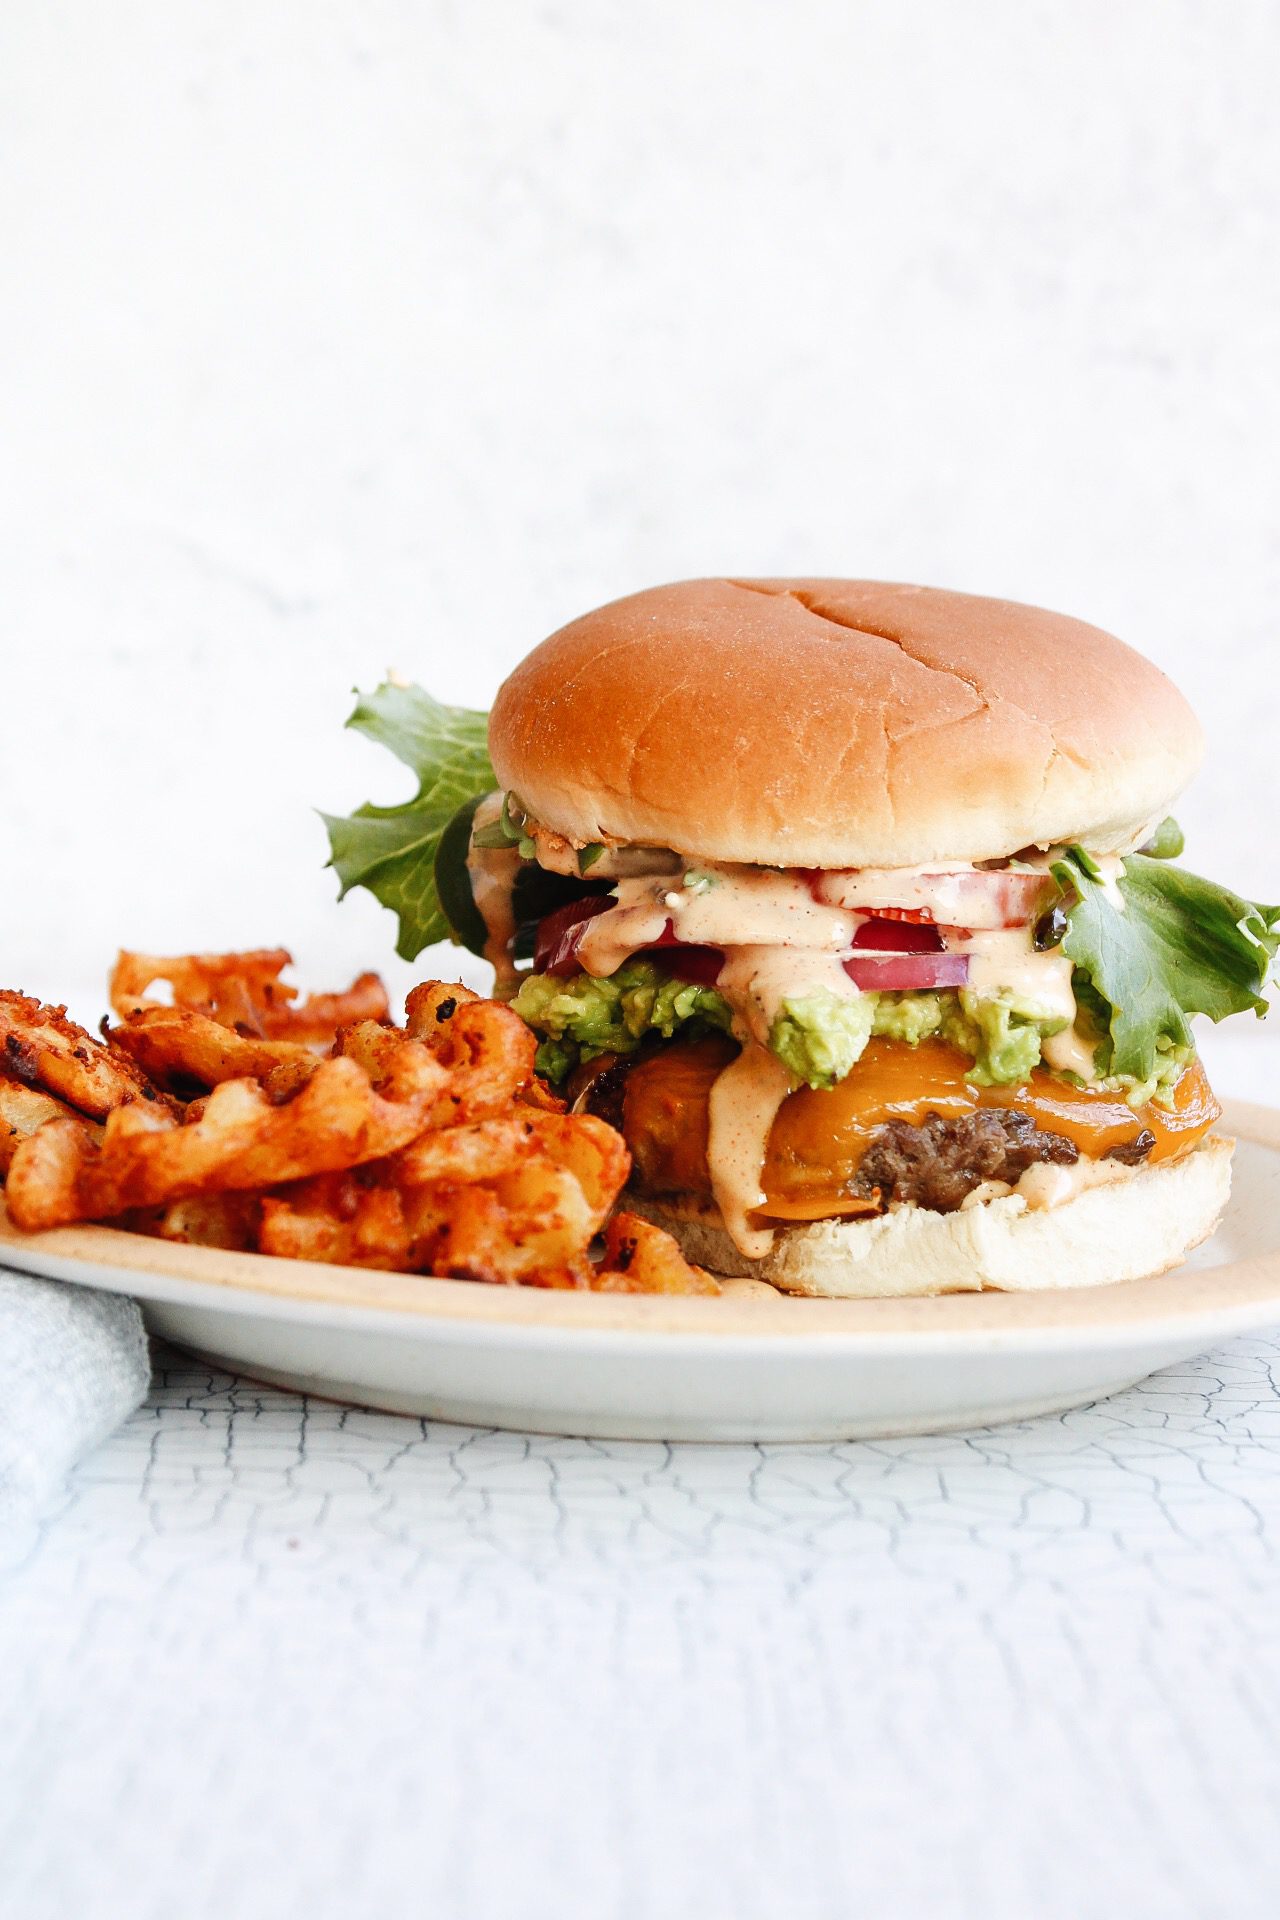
point(583, 1016)
point(818, 1035)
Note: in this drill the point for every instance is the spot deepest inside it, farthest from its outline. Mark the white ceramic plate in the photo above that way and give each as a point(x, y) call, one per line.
point(753, 1365)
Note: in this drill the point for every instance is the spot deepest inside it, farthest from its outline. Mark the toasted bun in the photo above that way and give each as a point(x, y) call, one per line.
point(840, 723)
point(1140, 1226)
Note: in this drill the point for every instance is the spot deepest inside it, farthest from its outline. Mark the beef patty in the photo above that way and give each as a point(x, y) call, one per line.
point(934, 1165)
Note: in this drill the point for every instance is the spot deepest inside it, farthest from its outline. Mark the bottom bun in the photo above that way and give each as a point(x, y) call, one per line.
point(1127, 1230)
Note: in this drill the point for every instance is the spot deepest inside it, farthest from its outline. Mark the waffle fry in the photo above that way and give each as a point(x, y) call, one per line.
point(428, 1148)
point(245, 991)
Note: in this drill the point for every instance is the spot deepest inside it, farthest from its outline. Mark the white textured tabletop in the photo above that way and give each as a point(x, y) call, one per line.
point(270, 1656)
point(380, 333)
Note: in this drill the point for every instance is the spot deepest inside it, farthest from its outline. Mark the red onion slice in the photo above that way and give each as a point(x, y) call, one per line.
point(907, 972)
point(560, 934)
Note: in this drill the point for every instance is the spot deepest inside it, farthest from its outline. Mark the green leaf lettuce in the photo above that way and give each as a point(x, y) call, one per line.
point(1179, 946)
point(392, 850)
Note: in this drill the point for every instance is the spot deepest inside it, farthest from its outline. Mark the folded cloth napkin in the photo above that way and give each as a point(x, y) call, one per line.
point(73, 1365)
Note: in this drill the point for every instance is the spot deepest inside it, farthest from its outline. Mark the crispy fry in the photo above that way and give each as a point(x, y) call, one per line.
point(319, 1016)
point(228, 1220)
point(592, 1153)
point(371, 1045)
point(484, 1047)
point(430, 1148)
point(41, 1047)
point(511, 1232)
point(244, 991)
point(485, 1150)
point(487, 1048)
point(228, 986)
point(338, 1218)
point(641, 1258)
point(519, 1194)
point(180, 1050)
point(22, 1110)
point(43, 1188)
point(432, 1002)
point(538, 1094)
point(240, 1141)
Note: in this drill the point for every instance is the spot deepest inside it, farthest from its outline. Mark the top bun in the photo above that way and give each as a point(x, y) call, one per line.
point(840, 723)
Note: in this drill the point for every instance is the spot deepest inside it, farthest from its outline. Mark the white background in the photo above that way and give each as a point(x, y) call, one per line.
point(337, 334)
point(343, 335)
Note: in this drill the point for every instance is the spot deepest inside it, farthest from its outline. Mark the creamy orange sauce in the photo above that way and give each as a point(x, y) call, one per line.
point(753, 912)
point(742, 1105)
point(1070, 1051)
point(756, 980)
point(492, 873)
point(726, 907)
point(935, 890)
point(637, 921)
point(1045, 1186)
point(1008, 962)
point(818, 1138)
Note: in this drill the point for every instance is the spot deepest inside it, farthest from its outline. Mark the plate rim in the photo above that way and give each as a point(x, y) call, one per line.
point(1238, 1296)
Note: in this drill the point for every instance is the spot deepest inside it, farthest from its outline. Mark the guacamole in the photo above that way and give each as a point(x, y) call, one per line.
point(819, 1035)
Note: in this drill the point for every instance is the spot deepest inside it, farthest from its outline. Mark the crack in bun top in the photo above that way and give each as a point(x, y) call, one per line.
point(840, 723)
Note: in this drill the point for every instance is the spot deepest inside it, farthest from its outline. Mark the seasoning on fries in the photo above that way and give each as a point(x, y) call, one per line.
point(234, 1114)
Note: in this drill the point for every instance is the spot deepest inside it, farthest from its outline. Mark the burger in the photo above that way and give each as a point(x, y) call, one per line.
point(856, 907)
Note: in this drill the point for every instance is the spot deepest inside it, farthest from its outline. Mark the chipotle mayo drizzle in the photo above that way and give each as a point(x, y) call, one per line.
point(492, 872)
point(782, 934)
point(756, 980)
point(613, 936)
point(1070, 1052)
point(1045, 1186)
point(937, 890)
point(1008, 961)
point(743, 1106)
point(725, 907)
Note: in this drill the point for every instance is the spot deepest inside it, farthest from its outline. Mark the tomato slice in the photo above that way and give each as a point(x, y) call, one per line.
point(984, 901)
point(888, 934)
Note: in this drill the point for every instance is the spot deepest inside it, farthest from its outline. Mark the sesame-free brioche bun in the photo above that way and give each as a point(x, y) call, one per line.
point(840, 723)
point(1139, 1226)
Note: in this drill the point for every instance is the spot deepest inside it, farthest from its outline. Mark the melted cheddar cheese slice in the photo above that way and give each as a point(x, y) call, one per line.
point(819, 1138)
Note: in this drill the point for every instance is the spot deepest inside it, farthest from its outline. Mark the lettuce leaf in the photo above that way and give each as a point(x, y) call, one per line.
point(1181, 946)
point(392, 850)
